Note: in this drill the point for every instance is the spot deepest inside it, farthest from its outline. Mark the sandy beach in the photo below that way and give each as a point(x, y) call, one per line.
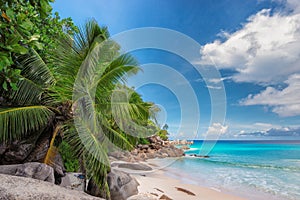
point(155, 184)
point(158, 184)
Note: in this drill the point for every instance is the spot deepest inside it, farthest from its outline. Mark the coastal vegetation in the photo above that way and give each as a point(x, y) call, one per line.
point(41, 55)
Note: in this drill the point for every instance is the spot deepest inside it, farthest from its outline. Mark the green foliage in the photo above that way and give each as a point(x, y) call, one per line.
point(44, 92)
point(163, 134)
point(70, 159)
point(143, 141)
point(17, 122)
point(26, 25)
point(102, 71)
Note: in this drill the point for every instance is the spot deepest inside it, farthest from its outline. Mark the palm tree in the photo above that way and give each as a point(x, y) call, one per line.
point(73, 94)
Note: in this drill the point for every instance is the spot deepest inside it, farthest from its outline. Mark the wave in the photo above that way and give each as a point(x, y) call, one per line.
point(250, 165)
point(192, 149)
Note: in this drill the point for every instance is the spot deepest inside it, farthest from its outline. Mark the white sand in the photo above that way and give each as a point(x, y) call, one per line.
point(158, 183)
point(152, 183)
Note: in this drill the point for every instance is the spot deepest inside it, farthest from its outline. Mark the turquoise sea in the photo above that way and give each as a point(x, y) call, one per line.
point(256, 170)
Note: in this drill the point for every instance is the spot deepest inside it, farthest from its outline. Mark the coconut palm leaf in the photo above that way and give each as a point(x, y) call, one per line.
point(127, 115)
point(36, 70)
point(16, 123)
point(88, 34)
point(36, 76)
point(97, 170)
point(28, 93)
point(117, 71)
point(94, 156)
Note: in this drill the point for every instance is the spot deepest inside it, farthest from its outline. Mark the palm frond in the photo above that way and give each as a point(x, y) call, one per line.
point(119, 141)
point(36, 70)
point(73, 54)
point(28, 93)
point(16, 123)
point(126, 114)
point(94, 155)
point(89, 129)
point(117, 71)
point(36, 76)
point(98, 172)
point(88, 34)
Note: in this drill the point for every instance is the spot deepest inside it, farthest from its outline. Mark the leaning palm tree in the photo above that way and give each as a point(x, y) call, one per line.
point(73, 95)
point(88, 68)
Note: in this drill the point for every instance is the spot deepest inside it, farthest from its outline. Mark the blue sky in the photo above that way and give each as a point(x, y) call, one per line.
point(255, 46)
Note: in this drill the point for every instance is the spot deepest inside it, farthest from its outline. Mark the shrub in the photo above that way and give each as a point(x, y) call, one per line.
point(71, 163)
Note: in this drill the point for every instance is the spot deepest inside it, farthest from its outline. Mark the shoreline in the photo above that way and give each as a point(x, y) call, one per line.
point(159, 182)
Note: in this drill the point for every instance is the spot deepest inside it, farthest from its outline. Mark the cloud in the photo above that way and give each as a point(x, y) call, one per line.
point(292, 5)
point(219, 80)
point(275, 132)
point(263, 125)
point(214, 87)
point(217, 128)
point(265, 50)
point(199, 80)
point(285, 102)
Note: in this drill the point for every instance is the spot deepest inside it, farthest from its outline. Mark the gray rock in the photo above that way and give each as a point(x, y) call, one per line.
point(34, 170)
point(179, 152)
point(134, 166)
point(145, 146)
point(94, 190)
point(20, 188)
point(3, 148)
point(18, 152)
point(121, 185)
point(185, 147)
point(155, 139)
point(117, 154)
point(74, 181)
point(134, 152)
point(58, 165)
point(141, 157)
point(164, 155)
point(151, 155)
point(39, 152)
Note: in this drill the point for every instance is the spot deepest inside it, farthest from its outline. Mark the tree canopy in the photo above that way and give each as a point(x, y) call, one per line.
point(25, 25)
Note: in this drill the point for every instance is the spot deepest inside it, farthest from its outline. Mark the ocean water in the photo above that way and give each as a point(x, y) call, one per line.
point(256, 170)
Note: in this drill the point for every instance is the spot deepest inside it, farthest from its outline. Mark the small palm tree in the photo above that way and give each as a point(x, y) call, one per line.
point(73, 94)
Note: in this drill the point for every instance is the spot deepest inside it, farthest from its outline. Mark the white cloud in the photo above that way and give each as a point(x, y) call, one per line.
point(214, 87)
point(275, 132)
point(265, 50)
point(219, 80)
point(264, 126)
point(285, 102)
point(293, 5)
point(217, 128)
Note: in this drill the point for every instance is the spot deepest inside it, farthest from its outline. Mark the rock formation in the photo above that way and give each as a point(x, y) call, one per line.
point(33, 170)
point(21, 188)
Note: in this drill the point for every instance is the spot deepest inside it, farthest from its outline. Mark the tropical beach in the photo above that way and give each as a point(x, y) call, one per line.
point(157, 184)
point(150, 100)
